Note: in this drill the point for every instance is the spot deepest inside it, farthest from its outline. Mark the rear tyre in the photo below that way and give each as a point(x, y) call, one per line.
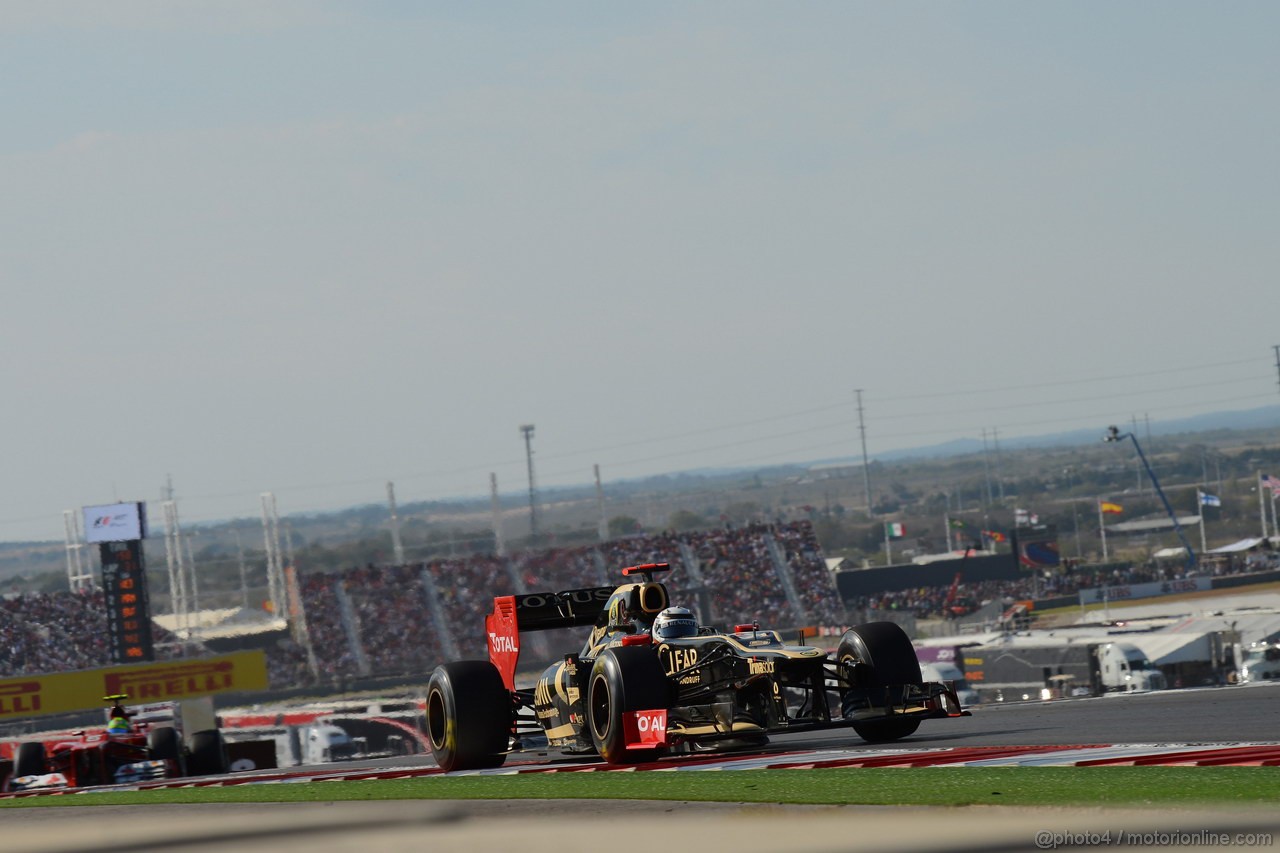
point(207, 754)
point(878, 654)
point(468, 715)
point(30, 760)
point(624, 679)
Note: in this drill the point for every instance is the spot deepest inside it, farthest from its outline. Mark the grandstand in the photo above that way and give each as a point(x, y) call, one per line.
point(371, 622)
point(386, 622)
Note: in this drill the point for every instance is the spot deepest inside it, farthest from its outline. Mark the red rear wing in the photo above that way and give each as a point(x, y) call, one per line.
point(537, 611)
point(647, 569)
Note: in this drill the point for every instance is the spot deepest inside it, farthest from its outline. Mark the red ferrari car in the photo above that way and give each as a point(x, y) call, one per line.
point(109, 757)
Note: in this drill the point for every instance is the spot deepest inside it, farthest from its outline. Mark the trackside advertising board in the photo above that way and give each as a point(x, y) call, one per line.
point(63, 692)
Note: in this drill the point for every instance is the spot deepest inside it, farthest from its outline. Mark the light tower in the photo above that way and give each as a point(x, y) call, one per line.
point(866, 465)
point(527, 429)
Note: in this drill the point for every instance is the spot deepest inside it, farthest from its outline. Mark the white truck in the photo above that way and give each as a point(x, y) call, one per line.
point(1257, 662)
point(316, 742)
point(1017, 670)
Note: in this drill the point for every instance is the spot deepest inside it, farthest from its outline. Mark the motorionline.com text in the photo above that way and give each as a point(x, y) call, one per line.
point(1046, 840)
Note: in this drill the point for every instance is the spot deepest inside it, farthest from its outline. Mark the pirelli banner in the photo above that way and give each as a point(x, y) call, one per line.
point(64, 692)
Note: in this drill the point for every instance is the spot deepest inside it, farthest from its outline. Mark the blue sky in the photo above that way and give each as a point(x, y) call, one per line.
point(312, 247)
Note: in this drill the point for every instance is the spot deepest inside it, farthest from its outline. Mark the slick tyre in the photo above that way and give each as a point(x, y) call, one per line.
point(623, 679)
point(207, 754)
point(878, 654)
point(165, 745)
point(30, 760)
point(468, 715)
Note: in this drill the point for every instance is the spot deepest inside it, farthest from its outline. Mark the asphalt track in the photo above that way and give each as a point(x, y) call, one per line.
point(1146, 723)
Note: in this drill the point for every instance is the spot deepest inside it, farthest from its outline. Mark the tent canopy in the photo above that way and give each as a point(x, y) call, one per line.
point(1237, 547)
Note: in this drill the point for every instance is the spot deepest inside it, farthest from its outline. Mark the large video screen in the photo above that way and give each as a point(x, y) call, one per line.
point(115, 523)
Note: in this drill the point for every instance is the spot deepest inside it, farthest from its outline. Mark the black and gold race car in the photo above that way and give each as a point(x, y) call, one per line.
point(648, 681)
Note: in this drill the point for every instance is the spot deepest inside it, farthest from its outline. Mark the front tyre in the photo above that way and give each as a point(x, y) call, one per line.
point(164, 744)
point(468, 715)
point(624, 679)
point(878, 654)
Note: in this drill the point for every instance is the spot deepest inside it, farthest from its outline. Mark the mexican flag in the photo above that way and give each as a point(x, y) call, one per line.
point(894, 530)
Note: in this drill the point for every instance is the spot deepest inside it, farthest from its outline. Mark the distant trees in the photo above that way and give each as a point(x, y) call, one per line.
point(623, 525)
point(683, 520)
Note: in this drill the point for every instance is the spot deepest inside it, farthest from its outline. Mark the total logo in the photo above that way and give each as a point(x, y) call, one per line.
point(501, 643)
point(651, 721)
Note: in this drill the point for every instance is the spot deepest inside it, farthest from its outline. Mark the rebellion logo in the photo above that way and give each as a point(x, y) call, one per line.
point(172, 682)
point(19, 697)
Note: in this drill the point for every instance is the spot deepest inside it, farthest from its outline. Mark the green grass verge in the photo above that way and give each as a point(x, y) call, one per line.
point(955, 786)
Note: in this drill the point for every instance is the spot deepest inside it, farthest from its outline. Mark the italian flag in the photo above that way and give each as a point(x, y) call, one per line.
point(894, 529)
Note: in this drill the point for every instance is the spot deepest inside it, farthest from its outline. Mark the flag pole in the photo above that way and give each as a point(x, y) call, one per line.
point(1102, 526)
point(1262, 507)
point(888, 551)
point(946, 523)
point(1200, 511)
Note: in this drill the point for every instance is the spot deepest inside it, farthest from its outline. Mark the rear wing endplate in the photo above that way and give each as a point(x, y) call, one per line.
point(537, 611)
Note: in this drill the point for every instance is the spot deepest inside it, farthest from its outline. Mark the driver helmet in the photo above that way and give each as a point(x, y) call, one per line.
point(118, 726)
point(674, 622)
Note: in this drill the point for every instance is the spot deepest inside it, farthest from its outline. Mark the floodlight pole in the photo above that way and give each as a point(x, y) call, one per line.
point(1114, 434)
point(527, 429)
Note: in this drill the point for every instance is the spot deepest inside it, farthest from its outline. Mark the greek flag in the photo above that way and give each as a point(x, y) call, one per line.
point(1209, 500)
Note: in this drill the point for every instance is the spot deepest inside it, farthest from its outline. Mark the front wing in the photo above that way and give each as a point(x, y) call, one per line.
point(925, 701)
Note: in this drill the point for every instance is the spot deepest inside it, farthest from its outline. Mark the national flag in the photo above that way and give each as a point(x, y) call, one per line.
point(1208, 500)
point(1272, 483)
point(1110, 508)
point(895, 529)
point(994, 535)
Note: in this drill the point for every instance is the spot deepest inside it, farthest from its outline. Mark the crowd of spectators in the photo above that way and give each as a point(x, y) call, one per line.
point(381, 621)
point(738, 571)
point(392, 617)
point(810, 573)
point(373, 621)
point(324, 623)
point(390, 624)
point(60, 631)
point(466, 587)
point(938, 602)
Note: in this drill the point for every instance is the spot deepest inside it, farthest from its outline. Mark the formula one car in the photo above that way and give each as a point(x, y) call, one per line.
point(125, 752)
point(649, 681)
